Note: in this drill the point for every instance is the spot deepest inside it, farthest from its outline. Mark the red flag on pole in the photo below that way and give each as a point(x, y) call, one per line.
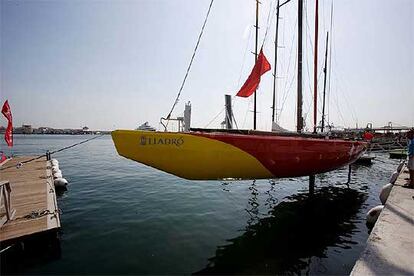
point(260, 67)
point(2, 157)
point(8, 135)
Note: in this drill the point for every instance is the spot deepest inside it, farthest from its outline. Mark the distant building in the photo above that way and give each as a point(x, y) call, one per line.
point(42, 130)
point(85, 130)
point(27, 129)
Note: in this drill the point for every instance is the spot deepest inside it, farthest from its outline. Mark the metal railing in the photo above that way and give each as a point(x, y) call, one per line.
point(386, 146)
point(7, 213)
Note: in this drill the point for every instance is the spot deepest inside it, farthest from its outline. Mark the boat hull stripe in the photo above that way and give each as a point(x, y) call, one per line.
point(189, 156)
point(293, 156)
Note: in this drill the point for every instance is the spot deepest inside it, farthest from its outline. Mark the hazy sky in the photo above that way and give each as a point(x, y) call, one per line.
point(116, 64)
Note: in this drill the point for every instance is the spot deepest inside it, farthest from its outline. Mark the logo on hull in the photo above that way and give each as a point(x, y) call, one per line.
point(144, 141)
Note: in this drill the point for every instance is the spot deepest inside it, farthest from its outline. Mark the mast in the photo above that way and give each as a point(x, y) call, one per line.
point(315, 70)
point(300, 100)
point(255, 59)
point(274, 111)
point(330, 61)
point(324, 82)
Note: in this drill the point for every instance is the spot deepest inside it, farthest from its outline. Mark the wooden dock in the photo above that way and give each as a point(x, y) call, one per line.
point(33, 198)
point(390, 246)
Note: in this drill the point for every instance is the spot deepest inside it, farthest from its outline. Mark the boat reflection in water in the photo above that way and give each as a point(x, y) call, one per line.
point(297, 229)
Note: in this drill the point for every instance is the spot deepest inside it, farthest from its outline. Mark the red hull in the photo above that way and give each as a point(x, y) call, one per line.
point(286, 156)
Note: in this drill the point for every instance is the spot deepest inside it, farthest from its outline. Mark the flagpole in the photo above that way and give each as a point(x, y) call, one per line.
point(255, 59)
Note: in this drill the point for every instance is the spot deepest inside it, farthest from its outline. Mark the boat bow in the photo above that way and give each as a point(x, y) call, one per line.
point(210, 156)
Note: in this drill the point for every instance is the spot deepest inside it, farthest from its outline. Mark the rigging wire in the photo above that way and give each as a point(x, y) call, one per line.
point(215, 117)
point(339, 79)
point(286, 91)
point(244, 56)
point(276, 41)
point(238, 81)
point(234, 119)
point(270, 16)
point(309, 39)
point(241, 72)
point(282, 66)
point(308, 29)
point(188, 69)
point(247, 111)
point(339, 109)
point(269, 20)
point(346, 98)
point(55, 151)
point(323, 15)
point(268, 23)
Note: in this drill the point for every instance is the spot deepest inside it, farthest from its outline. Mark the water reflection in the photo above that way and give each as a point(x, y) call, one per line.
point(60, 191)
point(34, 251)
point(253, 203)
point(271, 200)
point(299, 228)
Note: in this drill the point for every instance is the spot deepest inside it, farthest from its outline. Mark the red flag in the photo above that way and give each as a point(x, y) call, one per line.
point(261, 66)
point(8, 135)
point(368, 136)
point(2, 157)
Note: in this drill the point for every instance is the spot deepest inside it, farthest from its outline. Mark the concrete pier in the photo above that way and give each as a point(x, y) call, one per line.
point(390, 246)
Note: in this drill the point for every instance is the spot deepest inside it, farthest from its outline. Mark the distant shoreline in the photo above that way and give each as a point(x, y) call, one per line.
point(40, 134)
point(29, 130)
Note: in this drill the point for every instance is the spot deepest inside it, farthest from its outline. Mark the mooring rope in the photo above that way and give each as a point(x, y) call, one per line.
point(52, 152)
point(7, 248)
point(77, 144)
point(188, 69)
point(37, 214)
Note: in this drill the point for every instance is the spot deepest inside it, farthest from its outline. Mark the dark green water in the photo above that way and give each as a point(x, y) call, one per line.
point(121, 217)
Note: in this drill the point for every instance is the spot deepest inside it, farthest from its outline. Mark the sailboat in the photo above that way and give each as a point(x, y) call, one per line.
point(212, 154)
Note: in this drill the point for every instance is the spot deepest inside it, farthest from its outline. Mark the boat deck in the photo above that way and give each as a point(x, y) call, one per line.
point(390, 246)
point(33, 198)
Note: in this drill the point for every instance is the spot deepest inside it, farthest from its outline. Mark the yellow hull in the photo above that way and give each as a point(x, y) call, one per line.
point(188, 156)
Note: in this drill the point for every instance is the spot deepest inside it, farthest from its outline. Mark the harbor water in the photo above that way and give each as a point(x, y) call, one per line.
point(121, 217)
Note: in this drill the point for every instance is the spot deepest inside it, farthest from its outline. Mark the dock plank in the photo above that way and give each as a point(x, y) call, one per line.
point(32, 190)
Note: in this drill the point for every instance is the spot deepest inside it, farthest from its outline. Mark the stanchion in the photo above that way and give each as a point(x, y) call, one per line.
point(311, 184)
